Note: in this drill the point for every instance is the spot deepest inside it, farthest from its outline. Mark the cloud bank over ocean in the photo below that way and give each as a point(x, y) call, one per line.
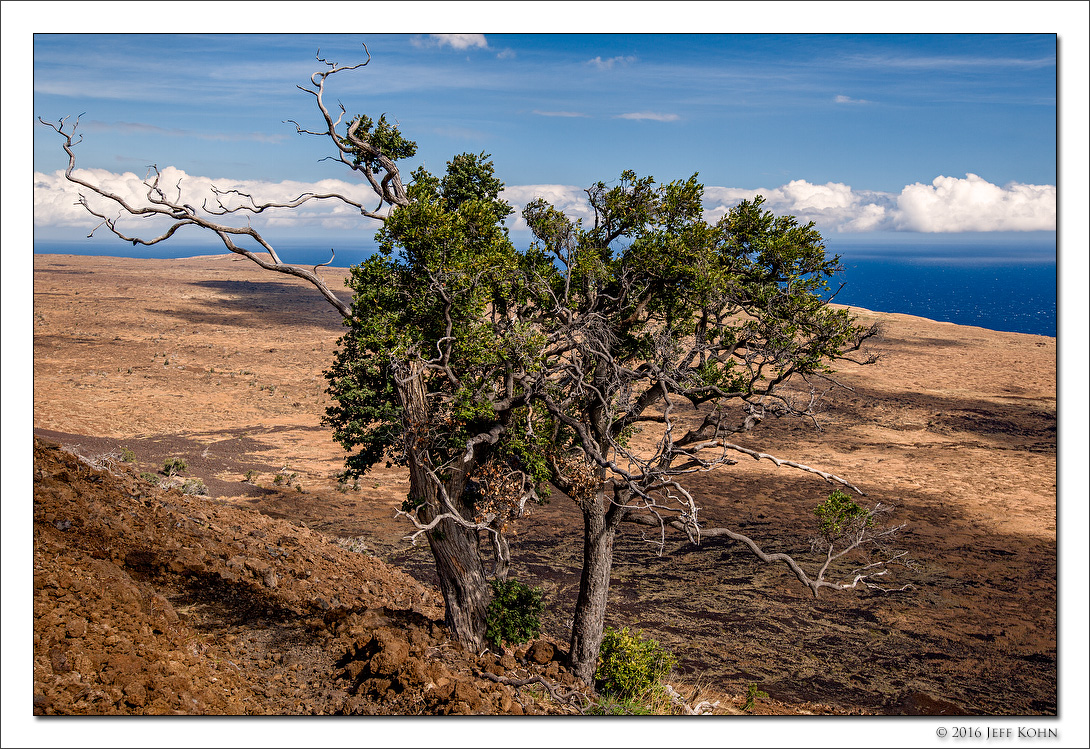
point(945, 205)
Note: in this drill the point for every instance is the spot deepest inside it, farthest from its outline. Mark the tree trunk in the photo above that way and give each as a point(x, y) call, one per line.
point(458, 563)
point(599, 529)
point(465, 589)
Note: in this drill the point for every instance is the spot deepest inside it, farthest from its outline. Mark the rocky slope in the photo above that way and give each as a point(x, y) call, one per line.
point(157, 602)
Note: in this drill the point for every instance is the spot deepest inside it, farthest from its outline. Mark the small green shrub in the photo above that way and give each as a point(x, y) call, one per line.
point(514, 614)
point(752, 695)
point(151, 478)
point(172, 466)
point(630, 665)
point(838, 514)
point(250, 476)
point(127, 455)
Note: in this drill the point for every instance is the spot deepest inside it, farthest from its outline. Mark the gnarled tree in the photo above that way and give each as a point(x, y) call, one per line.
point(615, 361)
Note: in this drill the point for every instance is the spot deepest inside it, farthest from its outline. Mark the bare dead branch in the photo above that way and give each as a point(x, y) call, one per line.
point(454, 516)
point(831, 478)
point(181, 215)
point(703, 707)
point(863, 535)
point(572, 697)
point(390, 191)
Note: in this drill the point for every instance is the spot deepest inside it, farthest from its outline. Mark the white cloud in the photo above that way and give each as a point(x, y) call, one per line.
point(950, 204)
point(571, 200)
point(657, 116)
point(456, 41)
point(832, 206)
point(947, 205)
point(949, 62)
point(608, 63)
point(841, 99)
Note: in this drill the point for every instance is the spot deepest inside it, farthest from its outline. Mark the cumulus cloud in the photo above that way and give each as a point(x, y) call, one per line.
point(609, 62)
point(571, 200)
point(832, 206)
point(950, 204)
point(657, 116)
point(456, 41)
point(946, 205)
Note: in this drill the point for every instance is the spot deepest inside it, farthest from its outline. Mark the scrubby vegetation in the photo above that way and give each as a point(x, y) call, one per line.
point(514, 614)
point(630, 665)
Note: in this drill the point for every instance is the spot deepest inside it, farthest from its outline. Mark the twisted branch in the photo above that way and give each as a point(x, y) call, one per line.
point(563, 697)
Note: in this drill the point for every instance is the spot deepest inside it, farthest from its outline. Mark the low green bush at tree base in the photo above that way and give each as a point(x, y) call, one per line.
point(514, 614)
point(630, 665)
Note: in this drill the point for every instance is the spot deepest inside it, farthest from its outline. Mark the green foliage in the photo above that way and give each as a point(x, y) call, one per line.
point(752, 695)
point(471, 177)
point(383, 136)
point(838, 514)
point(172, 466)
point(127, 455)
point(444, 261)
point(629, 665)
point(447, 285)
point(151, 478)
point(514, 614)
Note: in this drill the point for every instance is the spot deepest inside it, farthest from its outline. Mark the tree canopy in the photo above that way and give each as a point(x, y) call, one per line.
point(540, 366)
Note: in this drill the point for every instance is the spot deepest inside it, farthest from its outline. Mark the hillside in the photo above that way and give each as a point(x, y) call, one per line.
point(157, 602)
point(216, 362)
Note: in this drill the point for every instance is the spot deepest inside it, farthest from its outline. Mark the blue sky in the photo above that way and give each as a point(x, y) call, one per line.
point(875, 112)
point(868, 135)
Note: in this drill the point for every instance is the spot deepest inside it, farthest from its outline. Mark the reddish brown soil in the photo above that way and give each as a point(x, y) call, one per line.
point(216, 362)
point(156, 602)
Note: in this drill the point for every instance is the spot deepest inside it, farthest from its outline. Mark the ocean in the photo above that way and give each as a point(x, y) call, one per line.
point(1018, 298)
point(997, 286)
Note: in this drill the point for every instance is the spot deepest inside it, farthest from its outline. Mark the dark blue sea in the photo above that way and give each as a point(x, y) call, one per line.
point(997, 286)
point(1014, 298)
